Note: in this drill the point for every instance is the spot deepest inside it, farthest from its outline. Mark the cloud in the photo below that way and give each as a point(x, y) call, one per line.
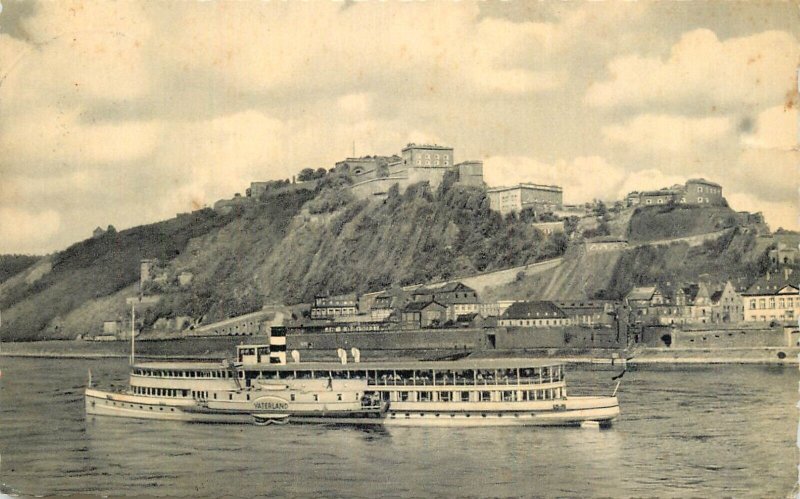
point(423, 48)
point(702, 69)
point(776, 128)
point(43, 137)
point(777, 214)
point(24, 231)
point(355, 104)
point(126, 113)
point(667, 133)
point(582, 178)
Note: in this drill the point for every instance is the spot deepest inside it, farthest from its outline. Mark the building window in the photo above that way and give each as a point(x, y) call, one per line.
point(699, 200)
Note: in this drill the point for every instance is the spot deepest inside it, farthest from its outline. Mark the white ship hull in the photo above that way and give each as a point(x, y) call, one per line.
point(570, 412)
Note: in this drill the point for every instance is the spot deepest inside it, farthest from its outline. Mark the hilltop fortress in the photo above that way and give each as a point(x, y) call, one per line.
point(374, 175)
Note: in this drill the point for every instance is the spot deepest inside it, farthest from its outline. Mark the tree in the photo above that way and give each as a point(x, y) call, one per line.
point(570, 225)
point(306, 174)
point(320, 173)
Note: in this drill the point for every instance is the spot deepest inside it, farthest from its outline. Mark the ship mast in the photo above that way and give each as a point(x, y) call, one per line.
point(133, 326)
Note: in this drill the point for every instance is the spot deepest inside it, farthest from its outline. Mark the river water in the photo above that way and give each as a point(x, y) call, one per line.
point(684, 431)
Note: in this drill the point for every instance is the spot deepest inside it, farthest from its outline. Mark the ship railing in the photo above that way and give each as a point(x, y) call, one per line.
point(462, 381)
point(373, 402)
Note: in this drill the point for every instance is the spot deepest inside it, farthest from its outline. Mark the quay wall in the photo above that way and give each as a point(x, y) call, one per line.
point(720, 336)
point(504, 338)
point(437, 339)
point(511, 338)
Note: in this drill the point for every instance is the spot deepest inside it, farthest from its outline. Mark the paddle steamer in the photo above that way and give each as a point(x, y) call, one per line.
point(260, 386)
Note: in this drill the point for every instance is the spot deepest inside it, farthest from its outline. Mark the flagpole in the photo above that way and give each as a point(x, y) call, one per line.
point(133, 325)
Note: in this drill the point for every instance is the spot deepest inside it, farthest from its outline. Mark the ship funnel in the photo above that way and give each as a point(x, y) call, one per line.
point(277, 345)
point(356, 354)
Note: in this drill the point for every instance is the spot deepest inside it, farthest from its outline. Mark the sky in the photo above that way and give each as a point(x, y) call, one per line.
point(129, 112)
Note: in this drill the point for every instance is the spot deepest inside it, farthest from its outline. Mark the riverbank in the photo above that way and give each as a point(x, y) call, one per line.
point(219, 348)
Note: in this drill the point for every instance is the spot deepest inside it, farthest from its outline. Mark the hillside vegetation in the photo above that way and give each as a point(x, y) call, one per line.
point(652, 223)
point(734, 256)
point(11, 265)
point(297, 241)
point(362, 246)
point(95, 268)
point(286, 248)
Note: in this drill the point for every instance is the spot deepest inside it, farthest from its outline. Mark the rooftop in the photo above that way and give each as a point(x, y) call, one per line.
point(533, 310)
point(418, 306)
point(426, 146)
point(702, 181)
point(772, 284)
point(540, 187)
point(642, 293)
point(466, 363)
point(447, 287)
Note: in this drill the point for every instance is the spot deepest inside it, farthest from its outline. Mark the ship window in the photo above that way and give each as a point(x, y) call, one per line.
point(215, 396)
point(339, 397)
point(316, 398)
point(465, 396)
point(445, 396)
point(486, 396)
point(291, 397)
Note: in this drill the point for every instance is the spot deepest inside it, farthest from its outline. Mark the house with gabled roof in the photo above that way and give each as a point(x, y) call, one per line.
point(774, 297)
point(727, 305)
point(686, 304)
point(533, 314)
point(418, 315)
point(457, 297)
point(329, 307)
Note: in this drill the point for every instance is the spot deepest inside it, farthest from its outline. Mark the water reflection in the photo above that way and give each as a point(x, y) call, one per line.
point(683, 432)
